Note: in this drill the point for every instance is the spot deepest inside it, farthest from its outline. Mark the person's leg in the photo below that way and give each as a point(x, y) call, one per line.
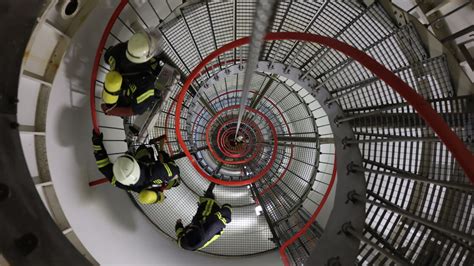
point(200, 211)
point(207, 205)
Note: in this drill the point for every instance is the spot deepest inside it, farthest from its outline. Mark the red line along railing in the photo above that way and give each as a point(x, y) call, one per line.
point(457, 148)
point(95, 69)
point(98, 55)
point(462, 155)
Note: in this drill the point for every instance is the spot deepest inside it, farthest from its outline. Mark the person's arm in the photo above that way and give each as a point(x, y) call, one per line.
point(107, 55)
point(141, 102)
point(179, 229)
point(102, 159)
point(203, 205)
point(114, 53)
point(164, 157)
point(109, 58)
point(162, 143)
point(145, 94)
point(155, 65)
point(101, 156)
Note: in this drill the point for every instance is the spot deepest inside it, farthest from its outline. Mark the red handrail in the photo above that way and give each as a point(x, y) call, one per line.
point(98, 55)
point(98, 182)
point(239, 182)
point(459, 151)
point(95, 69)
point(431, 117)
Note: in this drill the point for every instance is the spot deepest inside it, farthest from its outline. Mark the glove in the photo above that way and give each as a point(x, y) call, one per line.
point(97, 138)
point(179, 224)
point(176, 182)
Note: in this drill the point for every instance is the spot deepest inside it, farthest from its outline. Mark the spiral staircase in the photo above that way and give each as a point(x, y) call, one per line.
point(355, 145)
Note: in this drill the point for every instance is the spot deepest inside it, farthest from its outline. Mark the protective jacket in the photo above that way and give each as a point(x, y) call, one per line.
point(206, 227)
point(138, 88)
point(153, 173)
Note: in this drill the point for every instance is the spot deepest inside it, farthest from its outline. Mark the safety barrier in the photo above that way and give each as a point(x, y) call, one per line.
point(432, 118)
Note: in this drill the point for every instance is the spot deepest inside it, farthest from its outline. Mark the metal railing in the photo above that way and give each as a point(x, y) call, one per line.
point(408, 191)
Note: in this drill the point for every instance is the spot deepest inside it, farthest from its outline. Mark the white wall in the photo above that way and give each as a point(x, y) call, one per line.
point(103, 217)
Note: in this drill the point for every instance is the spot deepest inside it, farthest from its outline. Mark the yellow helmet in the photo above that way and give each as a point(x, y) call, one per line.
point(112, 86)
point(150, 197)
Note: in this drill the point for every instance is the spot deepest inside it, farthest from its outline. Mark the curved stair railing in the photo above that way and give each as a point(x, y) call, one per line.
point(410, 146)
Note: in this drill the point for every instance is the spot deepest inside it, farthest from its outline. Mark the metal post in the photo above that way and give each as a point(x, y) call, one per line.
point(277, 51)
point(295, 56)
point(218, 168)
point(207, 106)
point(311, 68)
point(258, 97)
point(310, 24)
point(458, 34)
point(138, 15)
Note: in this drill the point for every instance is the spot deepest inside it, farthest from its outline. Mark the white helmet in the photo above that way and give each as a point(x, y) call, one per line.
point(126, 170)
point(141, 47)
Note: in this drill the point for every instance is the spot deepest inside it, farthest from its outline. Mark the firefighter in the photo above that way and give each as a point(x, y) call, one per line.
point(130, 87)
point(148, 172)
point(207, 225)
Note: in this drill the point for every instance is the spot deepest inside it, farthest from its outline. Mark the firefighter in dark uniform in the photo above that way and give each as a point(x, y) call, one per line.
point(207, 225)
point(148, 172)
point(130, 87)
